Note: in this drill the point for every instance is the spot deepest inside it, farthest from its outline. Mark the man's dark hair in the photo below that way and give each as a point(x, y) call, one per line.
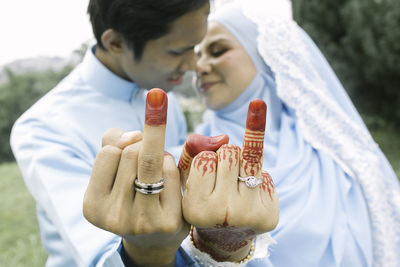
point(138, 21)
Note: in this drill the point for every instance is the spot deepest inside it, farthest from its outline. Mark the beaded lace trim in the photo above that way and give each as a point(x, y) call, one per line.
point(262, 244)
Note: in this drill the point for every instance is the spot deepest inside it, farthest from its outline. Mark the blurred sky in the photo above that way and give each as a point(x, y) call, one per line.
point(30, 28)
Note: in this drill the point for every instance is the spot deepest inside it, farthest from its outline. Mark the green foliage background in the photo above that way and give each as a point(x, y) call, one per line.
point(361, 40)
point(17, 95)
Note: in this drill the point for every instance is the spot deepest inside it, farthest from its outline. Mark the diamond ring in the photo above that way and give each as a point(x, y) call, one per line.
point(251, 181)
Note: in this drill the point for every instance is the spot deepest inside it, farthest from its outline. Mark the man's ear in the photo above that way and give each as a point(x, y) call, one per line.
point(112, 41)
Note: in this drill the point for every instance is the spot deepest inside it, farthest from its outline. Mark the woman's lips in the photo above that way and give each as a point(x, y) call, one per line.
point(176, 81)
point(206, 86)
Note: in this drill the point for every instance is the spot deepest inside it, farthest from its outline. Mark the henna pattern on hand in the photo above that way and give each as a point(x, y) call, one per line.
point(267, 183)
point(195, 143)
point(223, 237)
point(184, 161)
point(231, 152)
point(252, 152)
point(207, 249)
point(229, 239)
point(207, 160)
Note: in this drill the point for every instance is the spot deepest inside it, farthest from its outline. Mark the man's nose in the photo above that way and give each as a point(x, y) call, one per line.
point(189, 62)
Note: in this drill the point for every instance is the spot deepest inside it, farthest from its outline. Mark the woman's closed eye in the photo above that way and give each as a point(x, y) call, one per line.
point(218, 52)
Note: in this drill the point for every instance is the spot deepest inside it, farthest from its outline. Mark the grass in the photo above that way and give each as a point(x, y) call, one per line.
point(20, 243)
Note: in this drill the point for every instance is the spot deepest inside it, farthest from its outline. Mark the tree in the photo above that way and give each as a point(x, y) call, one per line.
point(17, 95)
point(361, 40)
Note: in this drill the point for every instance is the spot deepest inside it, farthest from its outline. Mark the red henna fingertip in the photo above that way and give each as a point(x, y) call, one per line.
point(196, 143)
point(156, 107)
point(256, 115)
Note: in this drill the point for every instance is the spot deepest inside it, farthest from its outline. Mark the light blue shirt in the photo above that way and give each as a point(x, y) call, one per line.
point(55, 143)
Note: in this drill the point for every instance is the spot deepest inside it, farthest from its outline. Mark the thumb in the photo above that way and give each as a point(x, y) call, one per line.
point(196, 143)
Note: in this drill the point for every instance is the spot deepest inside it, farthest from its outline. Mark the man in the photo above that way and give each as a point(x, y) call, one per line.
point(140, 44)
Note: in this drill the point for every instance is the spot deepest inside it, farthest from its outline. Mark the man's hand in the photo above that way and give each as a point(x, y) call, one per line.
point(227, 213)
point(151, 225)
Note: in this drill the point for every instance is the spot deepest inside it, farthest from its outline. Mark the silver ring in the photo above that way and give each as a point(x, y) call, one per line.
point(251, 181)
point(149, 192)
point(149, 189)
point(149, 186)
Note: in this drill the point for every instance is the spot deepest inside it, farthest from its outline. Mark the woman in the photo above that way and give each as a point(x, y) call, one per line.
point(338, 195)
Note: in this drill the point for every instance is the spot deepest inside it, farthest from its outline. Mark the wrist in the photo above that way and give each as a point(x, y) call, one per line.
point(234, 245)
point(149, 256)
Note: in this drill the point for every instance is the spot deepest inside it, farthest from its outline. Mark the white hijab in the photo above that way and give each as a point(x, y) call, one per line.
point(317, 148)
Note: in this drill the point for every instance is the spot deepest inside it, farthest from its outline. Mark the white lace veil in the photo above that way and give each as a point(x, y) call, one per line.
point(327, 119)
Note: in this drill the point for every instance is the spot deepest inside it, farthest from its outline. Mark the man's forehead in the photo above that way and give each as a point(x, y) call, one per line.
point(189, 29)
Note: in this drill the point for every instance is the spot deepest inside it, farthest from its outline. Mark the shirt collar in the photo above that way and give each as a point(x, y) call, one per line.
point(105, 81)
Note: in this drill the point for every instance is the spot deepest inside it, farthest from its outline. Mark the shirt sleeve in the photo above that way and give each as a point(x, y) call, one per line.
point(182, 258)
point(57, 173)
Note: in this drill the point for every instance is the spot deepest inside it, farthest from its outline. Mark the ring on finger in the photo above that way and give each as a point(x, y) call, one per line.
point(149, 192)
point(251, 181)
point(149, 189)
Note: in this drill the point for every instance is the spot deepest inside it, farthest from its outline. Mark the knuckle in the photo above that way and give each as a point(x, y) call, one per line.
point(195, 216)
point(110, 135)
point(111, 150)
point(170, 227)
point(169, 162)
point(142, 226)
point(205, 159)
point(130, 151)
point(113, 222)
point(266, 221)
point(230, 147)
point(170, 171)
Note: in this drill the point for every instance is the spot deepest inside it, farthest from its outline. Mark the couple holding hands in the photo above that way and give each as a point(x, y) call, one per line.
point(338, 195)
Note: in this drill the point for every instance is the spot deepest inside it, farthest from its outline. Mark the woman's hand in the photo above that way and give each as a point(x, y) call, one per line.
point(227, 213)
point(152, 225)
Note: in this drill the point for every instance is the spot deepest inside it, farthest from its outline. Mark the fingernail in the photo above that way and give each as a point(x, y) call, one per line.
point(156, 107)
point(166, 153)
point(195, 143)
point(219, 139)
point(256, 115)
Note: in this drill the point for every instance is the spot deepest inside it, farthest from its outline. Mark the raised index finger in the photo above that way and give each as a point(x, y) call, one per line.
point(151, 154)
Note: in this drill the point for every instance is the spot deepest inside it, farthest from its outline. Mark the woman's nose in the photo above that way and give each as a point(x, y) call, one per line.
point(203, 66)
